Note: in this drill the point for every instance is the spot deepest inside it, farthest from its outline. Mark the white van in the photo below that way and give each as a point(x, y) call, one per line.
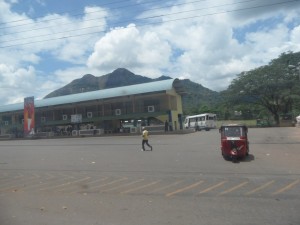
point(205, 121)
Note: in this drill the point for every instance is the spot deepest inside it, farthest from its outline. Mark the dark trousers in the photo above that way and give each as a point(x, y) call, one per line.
point(145, 142)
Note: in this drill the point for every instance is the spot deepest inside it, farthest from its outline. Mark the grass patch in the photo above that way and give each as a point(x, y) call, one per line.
point(249, 123)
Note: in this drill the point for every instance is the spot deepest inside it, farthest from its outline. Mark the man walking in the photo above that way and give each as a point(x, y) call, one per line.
point(145, 139)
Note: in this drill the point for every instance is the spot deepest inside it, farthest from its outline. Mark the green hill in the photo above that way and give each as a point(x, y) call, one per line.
point(195, 96)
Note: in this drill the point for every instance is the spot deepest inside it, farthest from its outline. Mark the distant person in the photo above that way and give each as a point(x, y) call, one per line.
point(166, 126)
point(145, 139)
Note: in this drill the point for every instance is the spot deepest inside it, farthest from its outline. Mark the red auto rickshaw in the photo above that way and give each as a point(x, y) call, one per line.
point(234, 141)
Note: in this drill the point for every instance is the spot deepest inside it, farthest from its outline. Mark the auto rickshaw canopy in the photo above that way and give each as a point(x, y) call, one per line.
point(234, 130)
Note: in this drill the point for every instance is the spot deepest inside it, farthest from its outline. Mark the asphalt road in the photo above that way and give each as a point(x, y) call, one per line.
point(184, 180)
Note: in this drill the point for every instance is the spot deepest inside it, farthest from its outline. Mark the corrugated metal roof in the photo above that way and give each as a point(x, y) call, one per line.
point(94, 95)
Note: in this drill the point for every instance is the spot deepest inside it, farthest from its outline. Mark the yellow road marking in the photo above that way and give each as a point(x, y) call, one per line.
point(140, 187)
point(286, 187)
point(65, 184)
point(165, 187)
point(212, 187)
point(260, 188)
point(20, 184)
point(91, 182)
point(99, 180)
point(77, 181)
point(124, 185)
point(74, 182)
point(43, 182)
point(234, 188)
point(184, 189)
point(109, 183)
point(96, 181)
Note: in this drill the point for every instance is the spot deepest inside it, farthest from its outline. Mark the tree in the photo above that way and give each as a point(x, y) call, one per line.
point(273, 87)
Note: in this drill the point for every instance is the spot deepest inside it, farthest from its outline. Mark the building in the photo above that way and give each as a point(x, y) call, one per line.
point(112, 110)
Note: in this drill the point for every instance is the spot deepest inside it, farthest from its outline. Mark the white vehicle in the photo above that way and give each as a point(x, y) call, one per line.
point(298, 119)
point(205, 121)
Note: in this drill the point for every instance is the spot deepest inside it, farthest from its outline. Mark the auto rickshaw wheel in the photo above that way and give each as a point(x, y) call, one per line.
point(234, 159)
point(225, 157)
point(247, 152)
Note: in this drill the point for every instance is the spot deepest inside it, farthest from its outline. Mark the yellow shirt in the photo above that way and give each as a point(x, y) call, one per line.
point(145, 135)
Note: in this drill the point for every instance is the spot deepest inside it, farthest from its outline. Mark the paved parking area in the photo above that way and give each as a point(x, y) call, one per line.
point(185, 180)
point(66, 182)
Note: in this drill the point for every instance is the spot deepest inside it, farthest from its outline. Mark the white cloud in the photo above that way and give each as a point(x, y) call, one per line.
point(131, 49)
point(63, 77)
point(210, 48)
point(27, 48)
point(209, 52)
point(295, 37)
point(18, 82)
point(47, 34)
point(75, 49)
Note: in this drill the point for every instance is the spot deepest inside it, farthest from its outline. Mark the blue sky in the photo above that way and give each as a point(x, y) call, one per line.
point(45, 44)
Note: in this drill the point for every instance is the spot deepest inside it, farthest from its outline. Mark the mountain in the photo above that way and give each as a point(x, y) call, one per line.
point(196, 96)
point(198, 99)
point(119, 77)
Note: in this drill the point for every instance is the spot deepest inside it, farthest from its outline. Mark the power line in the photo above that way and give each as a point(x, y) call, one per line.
point(80, 14)
point(41, 28)
point(93, 18)
point(152, 23)
point(137, 20)
point(102, 5)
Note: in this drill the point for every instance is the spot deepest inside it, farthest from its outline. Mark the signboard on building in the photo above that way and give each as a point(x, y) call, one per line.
point(29, 121)
point(76, 118)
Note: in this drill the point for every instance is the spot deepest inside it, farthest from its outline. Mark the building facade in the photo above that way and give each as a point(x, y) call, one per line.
point(113, 110)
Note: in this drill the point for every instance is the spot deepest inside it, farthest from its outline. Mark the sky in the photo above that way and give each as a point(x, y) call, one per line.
point(45, 44)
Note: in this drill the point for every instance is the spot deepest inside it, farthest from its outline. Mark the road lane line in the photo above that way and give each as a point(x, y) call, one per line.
point(11, 180)
point(98, 180)
point(167, 186)
point(260, 187)
point(43, 182)
point(88, 184)
point(66, 175)
point(57, 182)
point(286, 187)
point(73, 182)
point(65, 184)
point(140, 187)
point(212, 187)
point(109, 183)
point(19, 185)
point(47, 182)
point(184, 189)
point(233, 188)
point(123, 185)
